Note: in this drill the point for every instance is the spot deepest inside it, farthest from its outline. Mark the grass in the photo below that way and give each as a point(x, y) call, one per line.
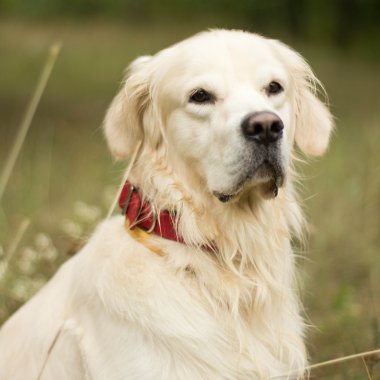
point(25, 124)
point(64, 179)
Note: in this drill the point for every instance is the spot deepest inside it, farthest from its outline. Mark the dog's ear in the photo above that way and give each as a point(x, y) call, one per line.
point(313, 120)
point(123, 122)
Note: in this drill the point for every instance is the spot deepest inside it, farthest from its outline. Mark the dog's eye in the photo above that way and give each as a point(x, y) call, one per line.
point(201, 96)
point(274, 88)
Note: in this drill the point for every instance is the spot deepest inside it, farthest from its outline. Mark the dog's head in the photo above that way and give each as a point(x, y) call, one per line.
point(228, 105)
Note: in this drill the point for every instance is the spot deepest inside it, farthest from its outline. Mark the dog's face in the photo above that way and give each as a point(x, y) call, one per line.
point(229, 104)
point(231, 112)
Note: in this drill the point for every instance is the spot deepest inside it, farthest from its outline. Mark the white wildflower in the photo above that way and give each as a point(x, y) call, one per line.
point(27, 259)
point(42, 241)
point(45, 247)
point(25, 265)
point(72, 228)
point(87, 213)
point(29, 254)
point(51, 253)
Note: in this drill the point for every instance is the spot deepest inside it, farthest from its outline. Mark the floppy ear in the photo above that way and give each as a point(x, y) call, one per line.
point(313, 120)
point(123, 122)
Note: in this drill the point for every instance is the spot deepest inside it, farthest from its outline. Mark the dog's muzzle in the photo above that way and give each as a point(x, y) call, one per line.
point(262, 132)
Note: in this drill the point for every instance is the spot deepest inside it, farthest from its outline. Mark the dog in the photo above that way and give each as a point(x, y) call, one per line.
point(196, 280)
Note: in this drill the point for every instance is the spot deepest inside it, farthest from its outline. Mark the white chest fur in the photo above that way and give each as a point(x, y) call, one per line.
point(173, 317)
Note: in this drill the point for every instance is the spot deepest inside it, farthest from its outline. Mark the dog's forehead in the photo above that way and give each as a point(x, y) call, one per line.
point(227, 47)
point(225, 52)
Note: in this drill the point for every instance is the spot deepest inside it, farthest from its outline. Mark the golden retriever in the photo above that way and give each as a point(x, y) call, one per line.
point(217, 116)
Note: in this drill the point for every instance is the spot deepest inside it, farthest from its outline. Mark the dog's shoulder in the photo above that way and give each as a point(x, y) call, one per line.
point(128, 277)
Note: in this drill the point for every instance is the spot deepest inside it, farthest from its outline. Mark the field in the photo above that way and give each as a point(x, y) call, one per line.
point(64, 179)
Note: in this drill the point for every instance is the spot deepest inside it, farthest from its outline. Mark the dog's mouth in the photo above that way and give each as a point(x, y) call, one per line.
point(267, 178)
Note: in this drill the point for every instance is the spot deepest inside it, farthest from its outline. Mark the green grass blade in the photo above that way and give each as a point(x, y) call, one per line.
point(125, 177)
point(28, 117)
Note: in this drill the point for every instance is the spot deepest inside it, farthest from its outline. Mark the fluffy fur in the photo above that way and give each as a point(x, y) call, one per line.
point(117, 310)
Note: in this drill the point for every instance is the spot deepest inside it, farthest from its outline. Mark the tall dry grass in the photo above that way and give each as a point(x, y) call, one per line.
point(28, 117)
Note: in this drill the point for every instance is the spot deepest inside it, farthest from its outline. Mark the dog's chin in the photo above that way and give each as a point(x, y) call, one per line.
point(266, 180)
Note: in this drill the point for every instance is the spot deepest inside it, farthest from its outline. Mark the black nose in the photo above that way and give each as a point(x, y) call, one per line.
point(262, 127)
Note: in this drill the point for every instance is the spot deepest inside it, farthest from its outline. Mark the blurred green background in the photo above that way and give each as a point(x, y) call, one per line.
point(64, 180)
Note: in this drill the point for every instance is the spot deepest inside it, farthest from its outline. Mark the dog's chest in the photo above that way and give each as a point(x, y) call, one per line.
point(172, 317)
point(162, 325)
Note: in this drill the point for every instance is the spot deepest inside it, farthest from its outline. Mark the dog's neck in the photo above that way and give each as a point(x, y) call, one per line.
point(242, 230)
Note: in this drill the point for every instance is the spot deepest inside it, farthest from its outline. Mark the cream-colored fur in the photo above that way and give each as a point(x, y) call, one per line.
point(118, 311)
